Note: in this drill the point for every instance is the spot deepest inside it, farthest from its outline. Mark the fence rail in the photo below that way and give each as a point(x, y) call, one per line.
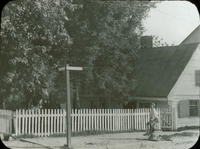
point(46, 122)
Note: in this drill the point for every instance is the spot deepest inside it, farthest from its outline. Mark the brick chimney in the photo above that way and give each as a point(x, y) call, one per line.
point(146, 42)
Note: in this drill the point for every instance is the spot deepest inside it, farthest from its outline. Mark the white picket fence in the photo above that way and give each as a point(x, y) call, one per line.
point(46, 122)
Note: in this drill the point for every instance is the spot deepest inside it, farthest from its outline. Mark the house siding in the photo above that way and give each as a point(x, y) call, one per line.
point(185, 90)
point(189, 121)
point(185, 85)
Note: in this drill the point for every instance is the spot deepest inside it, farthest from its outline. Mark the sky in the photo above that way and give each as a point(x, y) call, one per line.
point(172, 21)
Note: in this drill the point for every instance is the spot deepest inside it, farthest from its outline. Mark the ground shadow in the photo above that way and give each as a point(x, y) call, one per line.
point(118, 138)
point(160, 138)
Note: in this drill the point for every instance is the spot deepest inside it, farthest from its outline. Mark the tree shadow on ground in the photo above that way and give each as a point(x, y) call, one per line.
point(169, 137)
point(161, 138)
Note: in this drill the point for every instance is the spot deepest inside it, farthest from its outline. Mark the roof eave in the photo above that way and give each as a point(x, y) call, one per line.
point(163, 98)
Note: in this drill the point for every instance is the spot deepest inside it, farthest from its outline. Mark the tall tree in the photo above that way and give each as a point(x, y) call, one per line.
point(106, 38)
point(33, 38)
point(38, 36)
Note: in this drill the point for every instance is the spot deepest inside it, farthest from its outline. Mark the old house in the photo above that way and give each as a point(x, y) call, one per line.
point(167, 76)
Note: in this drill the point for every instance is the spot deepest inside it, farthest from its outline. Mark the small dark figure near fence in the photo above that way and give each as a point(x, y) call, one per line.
point(151, 125)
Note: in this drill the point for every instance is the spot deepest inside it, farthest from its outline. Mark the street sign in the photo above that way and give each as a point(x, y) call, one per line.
point(74, 68)
point(71, 68)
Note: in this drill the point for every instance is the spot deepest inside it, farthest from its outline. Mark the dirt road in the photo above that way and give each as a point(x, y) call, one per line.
point(134, 140)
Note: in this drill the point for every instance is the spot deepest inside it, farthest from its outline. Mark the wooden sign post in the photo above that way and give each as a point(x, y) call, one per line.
point(67, 68)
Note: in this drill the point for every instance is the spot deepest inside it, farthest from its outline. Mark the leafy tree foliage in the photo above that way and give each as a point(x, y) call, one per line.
point(33, 37)
point(39, 36)
point(160, 42)
point(106, 36)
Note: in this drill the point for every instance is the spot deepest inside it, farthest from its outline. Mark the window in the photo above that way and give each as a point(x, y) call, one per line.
point(193, 108)
point(197, 77)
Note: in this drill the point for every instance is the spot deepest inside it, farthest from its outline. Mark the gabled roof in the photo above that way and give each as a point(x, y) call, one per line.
point(194, 37)
point(157, 69)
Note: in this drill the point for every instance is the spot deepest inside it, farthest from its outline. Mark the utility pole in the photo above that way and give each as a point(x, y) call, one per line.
point(67, 69)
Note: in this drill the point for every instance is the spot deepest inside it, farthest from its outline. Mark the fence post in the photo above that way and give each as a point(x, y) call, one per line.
point(102, 120)
point(97, 119)
point(159, 112)
point(136, 119)
point(36, 121)
point(78, 120)
point(16, 122)
point(61, 120)
point(39, 122)
point(106, 119)
point(25, 115)
point(174, 119)
point(19, 122)
point(132, 119)
point(57, 120)
point(48, 117)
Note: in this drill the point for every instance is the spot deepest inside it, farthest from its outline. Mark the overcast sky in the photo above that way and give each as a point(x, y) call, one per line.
point(172, 20)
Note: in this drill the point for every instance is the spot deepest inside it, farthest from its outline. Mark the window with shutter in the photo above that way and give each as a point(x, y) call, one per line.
point(194, 107)
point(183, 109)
point(197, 78)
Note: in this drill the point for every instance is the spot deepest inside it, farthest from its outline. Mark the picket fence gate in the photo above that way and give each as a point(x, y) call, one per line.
point(45, 122)
point(6, 121)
